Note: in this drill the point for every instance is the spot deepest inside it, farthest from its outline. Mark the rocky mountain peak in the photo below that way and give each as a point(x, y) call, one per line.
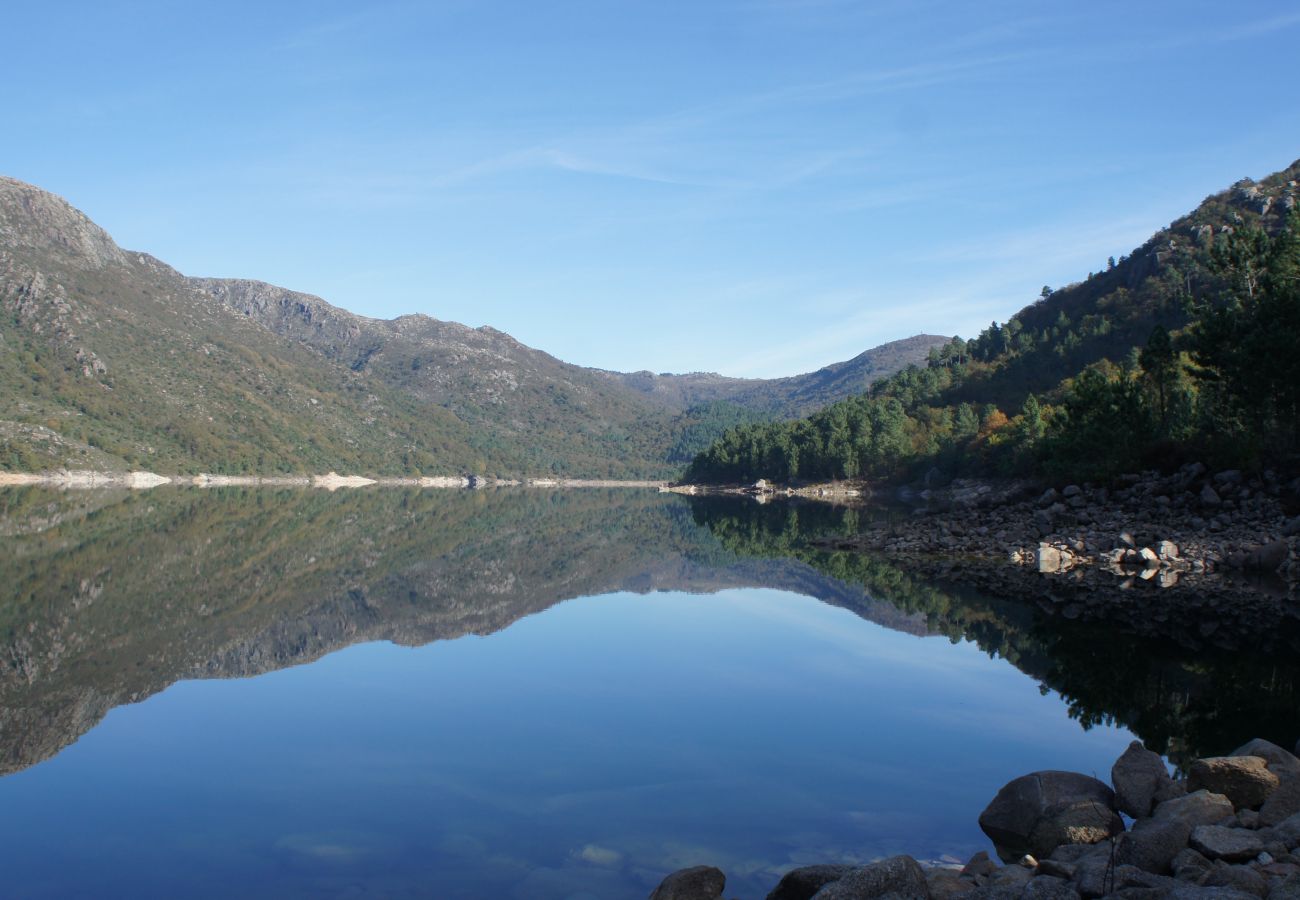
point(35, 220)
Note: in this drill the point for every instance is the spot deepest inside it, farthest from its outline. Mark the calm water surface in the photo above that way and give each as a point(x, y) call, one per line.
point(467, 695)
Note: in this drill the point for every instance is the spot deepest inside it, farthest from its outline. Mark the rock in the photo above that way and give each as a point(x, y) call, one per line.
point(1059, 869)
point(1184, 891)
point(980, 865)
point(1072, 853)
point(1071, 490)
point(1048, 887)
point(1283, 803)
point(1048, 558)
point(1287, 889)
point(1288, 832)
point(1247, 818)
point(1027, 861)
point(1198, 808)
point(1270, 557)
point(804, 882)
point(1209, 496)
point(1049, 497)
point(1231, 844)
point(1138, 775)
point(1278, 760)
point(900, 876)
point(1239, 878)
point(1097, 877)
point(1152, 844)
point(1149, 557)
point(1038, 812)
point(943, 884)
point(1187, 864)
point(1244, 780)
point(1167, 550)
point(698, 883)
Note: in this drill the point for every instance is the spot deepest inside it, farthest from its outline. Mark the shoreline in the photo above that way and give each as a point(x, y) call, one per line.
point(1227, 829)
point(331, 481)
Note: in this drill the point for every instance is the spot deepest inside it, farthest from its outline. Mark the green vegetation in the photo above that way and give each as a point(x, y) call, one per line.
point(1187, 349)
point(1184, 702)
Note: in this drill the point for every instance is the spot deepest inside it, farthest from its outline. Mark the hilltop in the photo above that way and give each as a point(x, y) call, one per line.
point(113, 359)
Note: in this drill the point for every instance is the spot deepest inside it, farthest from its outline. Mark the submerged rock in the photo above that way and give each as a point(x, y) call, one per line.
point(697, 883)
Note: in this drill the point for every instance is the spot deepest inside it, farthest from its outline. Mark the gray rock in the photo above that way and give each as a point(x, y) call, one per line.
point(1197, 808)
point(946, 884)
point(1279, 761)
point(1287, 889)
point(1138, 775)
point(979, 865)
point(900, 876)
point(697, 883)
point(1241, 878)
point(1057, 868)
point(1048, 887)
point(1288, 832)
point(1231, 844)
point(1038, 812)
point(804, 882)
point(1283, 803)
point(1152, 844)
point(1072, 853)
point(1188, 865)
point(1209, 496)
point(1244, 780)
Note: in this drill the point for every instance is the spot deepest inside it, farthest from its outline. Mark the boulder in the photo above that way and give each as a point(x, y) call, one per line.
point(697, 883)
point(1188, 865)
point(1283, 803)
point(1244, 780)
point(1139, 777)
point(1197, 808)
point(980, 865)
point(1288, 832)
point(1278, 760)
point(946, 884)
point(898, 875)
point(1038, 812)
point(1240, 878)
point(1231, 844)
point(1047, 887)
point(1152, 844)
point(804, 882)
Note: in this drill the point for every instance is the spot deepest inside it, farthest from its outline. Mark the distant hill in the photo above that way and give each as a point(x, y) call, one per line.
point(1184, 349)
point(111, 358)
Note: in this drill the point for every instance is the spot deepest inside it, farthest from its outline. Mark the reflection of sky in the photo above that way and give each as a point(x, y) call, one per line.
point(582, 752)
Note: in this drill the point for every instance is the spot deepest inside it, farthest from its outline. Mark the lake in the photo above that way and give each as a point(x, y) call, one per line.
point(531, 694)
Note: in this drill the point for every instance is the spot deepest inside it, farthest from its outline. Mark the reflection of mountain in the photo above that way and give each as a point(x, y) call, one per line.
point(114, 596)
point(1194, 672)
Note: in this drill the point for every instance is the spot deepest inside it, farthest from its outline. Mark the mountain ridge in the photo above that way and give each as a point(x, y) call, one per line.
point(112, 353)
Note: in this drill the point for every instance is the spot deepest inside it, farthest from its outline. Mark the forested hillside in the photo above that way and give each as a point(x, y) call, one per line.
point(1187, 347)
point(111, 359)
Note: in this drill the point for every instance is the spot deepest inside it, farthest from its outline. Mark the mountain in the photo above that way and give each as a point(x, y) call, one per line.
point(111, 358)
point(1182, 351)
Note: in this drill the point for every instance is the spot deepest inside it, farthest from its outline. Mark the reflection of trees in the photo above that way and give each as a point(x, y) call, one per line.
point(1183, 701)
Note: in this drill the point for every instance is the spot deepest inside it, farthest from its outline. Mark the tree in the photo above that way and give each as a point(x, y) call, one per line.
point(1159, 362)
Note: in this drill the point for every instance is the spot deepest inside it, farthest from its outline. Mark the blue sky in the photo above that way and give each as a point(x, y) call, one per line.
point(757, 187)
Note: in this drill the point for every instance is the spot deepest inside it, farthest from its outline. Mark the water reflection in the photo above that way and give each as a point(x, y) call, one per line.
point(583, 752)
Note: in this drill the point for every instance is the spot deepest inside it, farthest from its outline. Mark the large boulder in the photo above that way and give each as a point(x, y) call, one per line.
point(1197, 808)
point(1152, 844)
point(1038, 812)
point(1230, 844)
point(1141, 781)
point(1244, 780)
point(1280, 762)
point(804, 882)
point(1283, 803)
point(697, 883)
point(899, 876)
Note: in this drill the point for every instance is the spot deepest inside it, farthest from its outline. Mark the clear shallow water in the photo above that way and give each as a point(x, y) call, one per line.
point(588, 744)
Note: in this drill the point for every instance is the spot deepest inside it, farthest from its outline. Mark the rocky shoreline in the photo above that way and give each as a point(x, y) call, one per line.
point(1228, 830)
point(84, 479)
point(1150, 527)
